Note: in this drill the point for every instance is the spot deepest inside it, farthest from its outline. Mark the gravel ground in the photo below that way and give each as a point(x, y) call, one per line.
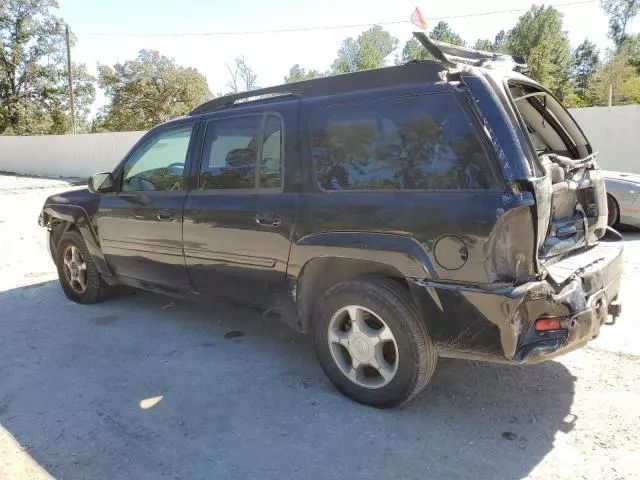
point(143, 386)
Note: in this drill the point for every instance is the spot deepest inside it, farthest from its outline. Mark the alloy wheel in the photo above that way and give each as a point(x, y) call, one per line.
point(75, 269)
point(363, 347)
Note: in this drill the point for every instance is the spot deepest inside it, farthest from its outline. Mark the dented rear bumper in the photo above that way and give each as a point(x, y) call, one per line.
point(497, 323)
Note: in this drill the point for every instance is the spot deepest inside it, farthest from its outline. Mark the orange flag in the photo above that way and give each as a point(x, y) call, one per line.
point(418, 20)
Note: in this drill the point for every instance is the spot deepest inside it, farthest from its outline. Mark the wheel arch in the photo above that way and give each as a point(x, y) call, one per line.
point(60, 219)
point(319, 274)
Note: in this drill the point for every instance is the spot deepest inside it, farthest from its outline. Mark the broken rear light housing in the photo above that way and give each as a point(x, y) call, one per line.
point(546, 324)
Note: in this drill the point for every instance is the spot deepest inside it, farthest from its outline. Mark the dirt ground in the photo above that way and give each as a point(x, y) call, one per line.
point(143, 386)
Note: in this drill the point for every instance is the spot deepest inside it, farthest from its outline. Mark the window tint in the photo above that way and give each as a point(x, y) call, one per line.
point(423, 142)
point(158, 165)
point(230, 153)
point(271, 164)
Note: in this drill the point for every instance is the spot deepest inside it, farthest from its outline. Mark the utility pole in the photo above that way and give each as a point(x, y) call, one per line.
point(610, 94)
point(69, 74)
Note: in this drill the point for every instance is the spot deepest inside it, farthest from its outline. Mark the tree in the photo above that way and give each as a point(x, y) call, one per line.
point(368, 51)
point(242, 76)
point(442, 32)
point(620, 75)
point(298, 74)
point(498, 44)
point(538, 36)
point(484, 44)
point(146, 91)
point(630, 48)
point(585, 64)
point(620, 12)
point(34, 92)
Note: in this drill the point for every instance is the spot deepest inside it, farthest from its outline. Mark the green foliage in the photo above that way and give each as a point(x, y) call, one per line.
point(497, 45)
point(539, 37)
point(34, 92)
point(620, 12)
point(620, 75)
point(630, 49)
point(412, 49)
point(368, 51)
point(585, 64)
point(484, 44)
point(146, 91)
point(298, 74)
point(442, 32)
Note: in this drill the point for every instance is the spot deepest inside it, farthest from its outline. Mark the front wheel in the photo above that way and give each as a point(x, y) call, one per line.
point(372, 343)
point(79, 277)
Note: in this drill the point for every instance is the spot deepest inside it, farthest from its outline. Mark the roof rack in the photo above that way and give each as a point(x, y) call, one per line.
point(364, 80)
point(452, 55)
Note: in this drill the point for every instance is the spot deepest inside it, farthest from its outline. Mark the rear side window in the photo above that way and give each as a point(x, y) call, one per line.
point(231, 156)
point(423, 143)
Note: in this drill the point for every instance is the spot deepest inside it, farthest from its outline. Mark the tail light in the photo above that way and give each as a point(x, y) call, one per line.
point(545, 324)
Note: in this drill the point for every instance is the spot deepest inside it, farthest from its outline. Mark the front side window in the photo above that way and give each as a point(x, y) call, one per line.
point(159, 164)
point(425, 143)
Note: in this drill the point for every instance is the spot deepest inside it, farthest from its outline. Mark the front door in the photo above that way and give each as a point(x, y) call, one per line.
point(140, 225)
point(238, 221)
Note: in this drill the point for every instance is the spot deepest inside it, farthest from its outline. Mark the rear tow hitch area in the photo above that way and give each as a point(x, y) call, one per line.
point(614, 309)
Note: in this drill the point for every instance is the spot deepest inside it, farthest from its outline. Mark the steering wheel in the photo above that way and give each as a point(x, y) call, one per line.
point(174, 166)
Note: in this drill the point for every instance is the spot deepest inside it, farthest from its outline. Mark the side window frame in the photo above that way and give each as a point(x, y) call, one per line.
point(143, 143)
point(466, 104)
point(279, 189)
point(198, 163)
point(488, 153)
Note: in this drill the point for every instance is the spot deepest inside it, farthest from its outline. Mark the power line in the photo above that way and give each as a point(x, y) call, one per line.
point(325, 27)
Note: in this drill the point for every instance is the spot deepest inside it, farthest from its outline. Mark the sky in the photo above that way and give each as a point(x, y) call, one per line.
point(114, 31)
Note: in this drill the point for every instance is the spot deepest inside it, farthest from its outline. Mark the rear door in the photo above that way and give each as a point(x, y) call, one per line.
point(239, 219)
point(140, 225)
point(577, 214)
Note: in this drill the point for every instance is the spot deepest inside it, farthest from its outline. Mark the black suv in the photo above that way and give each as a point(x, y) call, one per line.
point(437, 208)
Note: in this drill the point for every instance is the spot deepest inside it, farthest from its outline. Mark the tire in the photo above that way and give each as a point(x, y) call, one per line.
point(383, 301)
point(95, 288)
point(613, 216)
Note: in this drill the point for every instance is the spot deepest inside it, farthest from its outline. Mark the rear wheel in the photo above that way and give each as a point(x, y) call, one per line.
point(372, 343)
point(78, 275)
point(613, 216)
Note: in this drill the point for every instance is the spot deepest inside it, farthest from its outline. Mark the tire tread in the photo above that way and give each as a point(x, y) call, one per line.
point(425, 355)
point(97, 289)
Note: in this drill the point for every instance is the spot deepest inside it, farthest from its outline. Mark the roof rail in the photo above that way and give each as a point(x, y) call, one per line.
point(452, 55)
point(364, 80)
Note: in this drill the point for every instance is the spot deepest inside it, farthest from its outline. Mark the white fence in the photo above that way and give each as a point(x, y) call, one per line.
point(614, 132)
point(65, 155)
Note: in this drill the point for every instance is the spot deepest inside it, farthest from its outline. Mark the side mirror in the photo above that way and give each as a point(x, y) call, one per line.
point(101, 182)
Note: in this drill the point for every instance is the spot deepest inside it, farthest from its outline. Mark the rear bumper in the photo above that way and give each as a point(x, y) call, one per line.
point(498, 323)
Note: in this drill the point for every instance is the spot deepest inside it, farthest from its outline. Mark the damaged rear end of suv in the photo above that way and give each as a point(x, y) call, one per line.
point(554, 265)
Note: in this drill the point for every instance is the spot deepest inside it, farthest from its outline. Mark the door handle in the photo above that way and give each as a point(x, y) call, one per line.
point(268, 219)
point(166, 215)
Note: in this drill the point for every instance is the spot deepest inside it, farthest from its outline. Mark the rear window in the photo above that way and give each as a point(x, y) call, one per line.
point(231, 149)
point(413, 143)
